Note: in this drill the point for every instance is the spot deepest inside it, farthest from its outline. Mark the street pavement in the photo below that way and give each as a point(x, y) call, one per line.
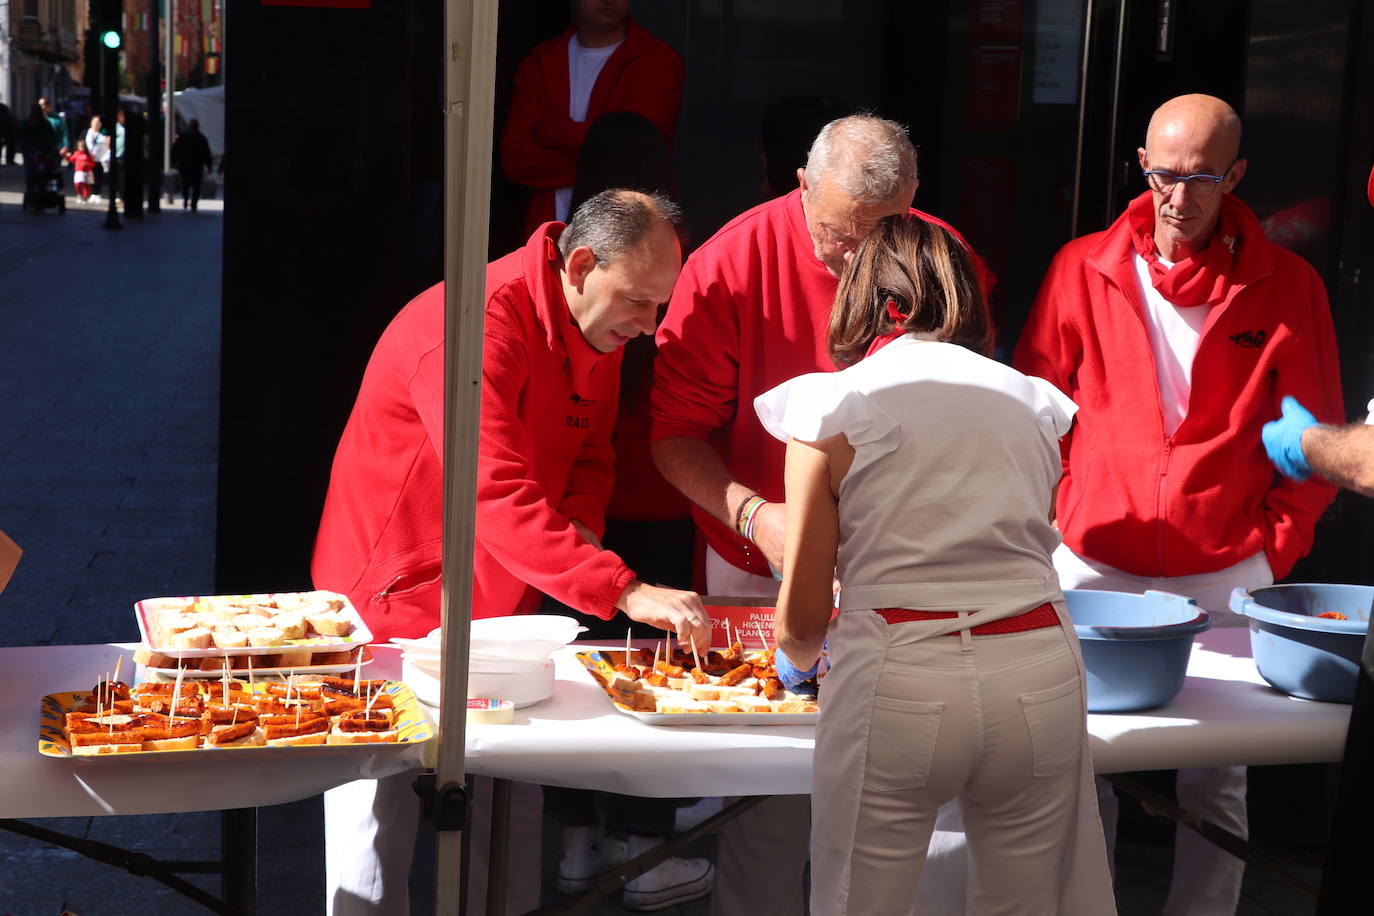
point(109, 373)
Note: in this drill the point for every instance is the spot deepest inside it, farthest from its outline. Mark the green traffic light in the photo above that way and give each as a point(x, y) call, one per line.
point(111, 39)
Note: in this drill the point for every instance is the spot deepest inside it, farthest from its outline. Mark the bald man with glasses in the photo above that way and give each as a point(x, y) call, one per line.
point(1178, 331)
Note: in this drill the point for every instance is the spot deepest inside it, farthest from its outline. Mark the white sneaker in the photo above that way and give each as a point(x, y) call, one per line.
point(95, 199)
point(587, 854)
point(675, 881)
point(689, 816)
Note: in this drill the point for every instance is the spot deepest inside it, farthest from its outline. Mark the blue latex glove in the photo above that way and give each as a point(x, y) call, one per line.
point(790, 674)
point(1283, 440)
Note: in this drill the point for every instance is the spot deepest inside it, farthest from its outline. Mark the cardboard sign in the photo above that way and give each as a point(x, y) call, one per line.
point(9, 559)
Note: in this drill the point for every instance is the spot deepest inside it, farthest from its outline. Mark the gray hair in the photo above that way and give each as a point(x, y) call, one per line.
point(616, 221)
point(870, 158)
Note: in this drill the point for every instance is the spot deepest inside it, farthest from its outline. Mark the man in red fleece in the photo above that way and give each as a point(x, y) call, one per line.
point(558, 313)
point(750, 311)
point(603, 62)
point(1177, 331)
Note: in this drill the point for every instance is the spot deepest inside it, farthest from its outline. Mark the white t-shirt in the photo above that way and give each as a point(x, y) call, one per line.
point(1174, 334)
point(956, 457)
point(584, 66)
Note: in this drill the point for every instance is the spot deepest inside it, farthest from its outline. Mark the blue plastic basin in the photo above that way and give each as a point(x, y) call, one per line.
point(1300, 653)
point(1135, 647)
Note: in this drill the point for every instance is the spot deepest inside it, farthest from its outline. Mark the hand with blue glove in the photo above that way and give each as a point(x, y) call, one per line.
point(790, 675)
point(1283, 440)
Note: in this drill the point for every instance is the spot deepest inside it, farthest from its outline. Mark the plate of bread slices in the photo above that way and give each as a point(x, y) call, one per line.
point(301, 629)
point(283, 715)
point(730, 686)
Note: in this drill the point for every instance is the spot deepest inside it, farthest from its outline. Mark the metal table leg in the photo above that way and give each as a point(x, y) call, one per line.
point(239, 852)
point(497, 867)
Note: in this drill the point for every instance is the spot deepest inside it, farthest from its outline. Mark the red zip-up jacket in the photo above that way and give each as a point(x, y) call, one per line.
point(540, 143)
point(544, 458)
point(1206, 497)
point(750, 310)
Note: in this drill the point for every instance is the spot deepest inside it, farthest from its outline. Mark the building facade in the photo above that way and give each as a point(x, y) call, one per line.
point(40, 45)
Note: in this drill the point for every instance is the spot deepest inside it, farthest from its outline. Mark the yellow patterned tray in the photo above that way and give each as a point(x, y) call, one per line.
point(413, 725)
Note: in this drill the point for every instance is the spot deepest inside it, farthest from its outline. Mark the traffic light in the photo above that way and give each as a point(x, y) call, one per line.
point(107, 17)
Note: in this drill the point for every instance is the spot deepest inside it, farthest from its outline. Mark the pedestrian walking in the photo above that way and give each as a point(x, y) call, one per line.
point(7, 121)
point(191, 156)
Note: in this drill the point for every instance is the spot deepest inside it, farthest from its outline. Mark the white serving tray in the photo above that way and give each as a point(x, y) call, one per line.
point(589, 661)
point(148, 608)
point(170, 674)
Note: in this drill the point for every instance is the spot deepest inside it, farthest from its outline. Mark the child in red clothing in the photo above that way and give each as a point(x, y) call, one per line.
point(83, 169)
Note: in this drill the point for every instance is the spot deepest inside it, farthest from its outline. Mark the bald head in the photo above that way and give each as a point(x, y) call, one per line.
point(1193, 137)
point(1199, 121)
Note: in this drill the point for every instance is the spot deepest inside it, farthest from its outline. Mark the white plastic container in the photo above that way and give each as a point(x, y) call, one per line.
point(525, 687)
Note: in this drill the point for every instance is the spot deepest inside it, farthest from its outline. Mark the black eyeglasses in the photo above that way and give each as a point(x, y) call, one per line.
point(1200, 184)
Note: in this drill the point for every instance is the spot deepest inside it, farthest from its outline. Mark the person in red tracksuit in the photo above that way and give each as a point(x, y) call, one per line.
point(558, 312)
point(603, 62)
point(750, 311)
point(1178, 331)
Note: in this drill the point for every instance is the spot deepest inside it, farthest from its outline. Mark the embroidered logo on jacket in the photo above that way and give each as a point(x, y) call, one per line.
point(579, 403)
point(1250, 339)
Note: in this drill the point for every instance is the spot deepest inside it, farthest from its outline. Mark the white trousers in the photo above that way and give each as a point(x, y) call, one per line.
point(369, 831)
point(908, 725)
point(761, 868)
point(1206, 879)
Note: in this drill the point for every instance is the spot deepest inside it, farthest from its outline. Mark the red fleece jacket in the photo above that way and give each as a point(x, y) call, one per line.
point(1207, 497)
point(540, 143)
point(751, 310)
point(544, 459)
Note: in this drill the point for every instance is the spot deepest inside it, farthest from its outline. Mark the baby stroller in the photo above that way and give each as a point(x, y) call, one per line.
point(43, 183)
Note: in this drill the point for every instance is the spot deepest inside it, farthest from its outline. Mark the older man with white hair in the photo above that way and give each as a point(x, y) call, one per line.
point(750, 310)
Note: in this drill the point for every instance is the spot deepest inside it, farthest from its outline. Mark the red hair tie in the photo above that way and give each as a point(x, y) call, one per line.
point(894, 312)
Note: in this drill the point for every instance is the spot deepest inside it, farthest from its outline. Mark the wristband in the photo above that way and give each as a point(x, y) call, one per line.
point(752, 516)
point(746, 512)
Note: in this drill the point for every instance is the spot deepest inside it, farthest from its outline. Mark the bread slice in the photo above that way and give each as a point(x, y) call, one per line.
point(184, 743)
point(248, 622)
point(390, 736)
point(226, 638)
point(292, 625)
point(329, 623)
point(95, 750)
point(680, 703)
point(298, 740)
point(194, 638)
point(753, 704)
point(266, 636)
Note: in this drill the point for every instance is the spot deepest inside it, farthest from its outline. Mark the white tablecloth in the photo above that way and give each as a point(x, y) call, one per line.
point(37, 786)
point(1225, 715)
